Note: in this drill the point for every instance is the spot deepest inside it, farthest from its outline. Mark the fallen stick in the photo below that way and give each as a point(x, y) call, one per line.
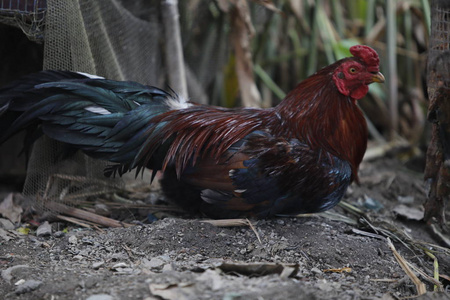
point(227, 222)
point(74, 221)
point(82, 223)
point(84, 215)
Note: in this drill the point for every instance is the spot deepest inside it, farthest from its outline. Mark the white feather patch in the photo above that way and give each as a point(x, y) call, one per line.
point(97, 110)
point(177, 102)
point(90, 75)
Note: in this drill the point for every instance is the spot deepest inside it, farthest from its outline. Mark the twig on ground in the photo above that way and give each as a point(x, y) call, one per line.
point(437, 284)
point(227, 222)
point(233, 223)
point(420, 286)
point(254, 230)
point(82, 223)
point(369, 234)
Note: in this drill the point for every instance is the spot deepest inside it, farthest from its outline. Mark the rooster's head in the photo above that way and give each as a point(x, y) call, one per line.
point(354, 74)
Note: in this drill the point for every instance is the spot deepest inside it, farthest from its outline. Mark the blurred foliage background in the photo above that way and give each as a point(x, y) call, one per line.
point(278, 43)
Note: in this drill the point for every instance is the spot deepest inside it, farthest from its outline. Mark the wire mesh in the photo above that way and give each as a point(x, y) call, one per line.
point(99, 37)
point(28, 15)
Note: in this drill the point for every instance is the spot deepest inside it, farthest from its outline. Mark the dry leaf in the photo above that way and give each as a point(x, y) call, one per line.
point(445, 277)
point(9, 210)
point(241, 33)
point(297, 8)
point(411, 213)
point(6, 235)
point(23, 230)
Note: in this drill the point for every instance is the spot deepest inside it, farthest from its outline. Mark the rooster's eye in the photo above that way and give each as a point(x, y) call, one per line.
point(352, 70)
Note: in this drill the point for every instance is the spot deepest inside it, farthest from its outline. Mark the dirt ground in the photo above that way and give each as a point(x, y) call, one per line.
point(325, 256)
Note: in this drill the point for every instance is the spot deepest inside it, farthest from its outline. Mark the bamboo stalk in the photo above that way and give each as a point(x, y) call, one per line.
point(174, 50)
point(370, 17)
point(409, 45)
point(338, 17)
point(327, 34)
point(312, 61)
point(392, 81)
point(427, 14)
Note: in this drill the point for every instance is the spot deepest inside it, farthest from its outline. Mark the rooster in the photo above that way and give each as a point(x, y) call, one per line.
point(297, 157)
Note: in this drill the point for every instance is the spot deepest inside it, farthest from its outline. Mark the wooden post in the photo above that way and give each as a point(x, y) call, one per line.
point(437, 171)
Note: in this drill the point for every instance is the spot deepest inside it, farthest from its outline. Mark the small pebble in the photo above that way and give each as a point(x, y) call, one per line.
point(97, 265)
point(21, 281)
point(58, 234)
point(73, 239)
point(154, 263)
point(91, 282)
point(280, 222)
point(87, 240)
point(316, 271)
point(120, 265)
point(167, 268)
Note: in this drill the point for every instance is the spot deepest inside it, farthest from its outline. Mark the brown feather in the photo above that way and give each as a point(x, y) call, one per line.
point(212, 175)
point(326, 119)
point(217, 130)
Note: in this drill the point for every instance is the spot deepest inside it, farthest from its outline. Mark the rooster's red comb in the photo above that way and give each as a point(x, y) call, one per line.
point(368, 56)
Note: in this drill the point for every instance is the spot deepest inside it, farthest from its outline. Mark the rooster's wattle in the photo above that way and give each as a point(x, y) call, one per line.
point(298, 157)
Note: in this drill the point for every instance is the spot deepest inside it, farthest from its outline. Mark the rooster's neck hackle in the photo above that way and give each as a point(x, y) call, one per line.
point(317, 113)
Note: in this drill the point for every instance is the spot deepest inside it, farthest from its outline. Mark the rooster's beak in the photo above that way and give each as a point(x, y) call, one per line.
point(378, 77)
